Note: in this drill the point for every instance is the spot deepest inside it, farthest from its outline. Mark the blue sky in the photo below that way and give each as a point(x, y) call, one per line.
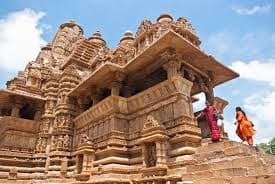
point(240, 34)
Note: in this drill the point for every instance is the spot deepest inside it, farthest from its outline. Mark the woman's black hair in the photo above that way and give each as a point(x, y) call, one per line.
point(240, 109)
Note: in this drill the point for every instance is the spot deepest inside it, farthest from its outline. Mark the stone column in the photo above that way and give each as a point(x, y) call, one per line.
point(116, 84)
point(80, 103)
point(160, 153)
point(88, 158)
point(95, 97)
point(172, 68)
point(143, 147)
point(16, 110)
point(115, 88)
point(220, 104)
point(206, 87)
point(37, 115)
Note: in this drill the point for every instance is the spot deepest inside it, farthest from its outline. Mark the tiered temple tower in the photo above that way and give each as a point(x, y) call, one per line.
point(85, 113)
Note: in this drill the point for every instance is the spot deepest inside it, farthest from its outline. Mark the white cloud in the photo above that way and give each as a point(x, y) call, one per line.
point(261, 107)
point(199, 105)
point(253, 10)
point(256, 70)
point(20, 38)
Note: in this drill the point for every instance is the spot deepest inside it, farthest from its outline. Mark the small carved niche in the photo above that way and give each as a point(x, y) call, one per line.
point(150, 154)
point(79, 163)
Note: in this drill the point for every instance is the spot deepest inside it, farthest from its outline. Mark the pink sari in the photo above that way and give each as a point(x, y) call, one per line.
point(212, 123)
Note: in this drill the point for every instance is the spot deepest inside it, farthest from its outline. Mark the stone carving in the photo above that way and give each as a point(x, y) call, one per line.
point(85, 139)
point(170, 54)
point(61, 142)
point(144, 27)
point(150, 123)
point(66, 141)
point(40, 145)
point(184, 23)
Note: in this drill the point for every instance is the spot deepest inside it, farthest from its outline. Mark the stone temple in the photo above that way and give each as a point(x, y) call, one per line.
point(85, 113)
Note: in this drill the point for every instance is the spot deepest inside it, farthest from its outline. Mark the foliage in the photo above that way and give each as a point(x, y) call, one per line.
point(268, 148)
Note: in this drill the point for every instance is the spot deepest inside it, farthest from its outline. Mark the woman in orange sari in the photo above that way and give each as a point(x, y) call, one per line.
point(245, 128)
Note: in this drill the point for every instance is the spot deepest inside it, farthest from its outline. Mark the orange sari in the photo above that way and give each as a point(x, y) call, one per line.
point(244, 129)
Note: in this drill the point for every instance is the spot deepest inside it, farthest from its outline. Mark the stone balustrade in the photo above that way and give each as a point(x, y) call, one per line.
point(116, 104)
point(107, 106)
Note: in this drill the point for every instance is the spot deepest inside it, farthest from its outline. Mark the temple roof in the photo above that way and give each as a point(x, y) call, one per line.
point(5, 94)
point(192, 56)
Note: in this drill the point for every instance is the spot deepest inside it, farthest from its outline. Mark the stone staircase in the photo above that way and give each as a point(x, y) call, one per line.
point(230, 162)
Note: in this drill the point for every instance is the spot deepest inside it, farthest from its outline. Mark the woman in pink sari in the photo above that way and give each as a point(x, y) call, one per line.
point(209, 112)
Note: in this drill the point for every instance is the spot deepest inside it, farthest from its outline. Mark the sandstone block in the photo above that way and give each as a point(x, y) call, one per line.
point(249, 161)
point(243, 180)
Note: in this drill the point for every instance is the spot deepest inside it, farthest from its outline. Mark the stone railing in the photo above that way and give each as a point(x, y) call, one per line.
point(107, 106)
point(158, 93)
point(18, 132)
point(21, 124)
point(151, 96)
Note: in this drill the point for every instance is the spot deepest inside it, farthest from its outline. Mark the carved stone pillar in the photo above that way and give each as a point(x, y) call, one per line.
point(220, 104)
point(37, 115)
point(80, 103)
point(95, 97)
point(172, 68)
point(16, 110)
point(116, 84)
point(161, 153)
point(207, 88)
point(115, 88)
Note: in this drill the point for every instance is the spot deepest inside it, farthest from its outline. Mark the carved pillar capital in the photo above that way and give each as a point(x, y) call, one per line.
point(220, 103)
point(116, 84)
point(172, 68)
point(172, 62)
point(206, 87)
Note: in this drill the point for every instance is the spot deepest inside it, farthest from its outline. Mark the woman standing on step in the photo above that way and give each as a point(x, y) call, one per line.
point(245, 128)
point(210, 113)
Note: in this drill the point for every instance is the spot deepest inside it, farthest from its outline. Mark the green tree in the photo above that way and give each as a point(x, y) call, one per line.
point(269, 147)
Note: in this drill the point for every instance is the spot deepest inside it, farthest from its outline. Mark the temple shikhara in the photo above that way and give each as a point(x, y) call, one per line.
point(86, 113)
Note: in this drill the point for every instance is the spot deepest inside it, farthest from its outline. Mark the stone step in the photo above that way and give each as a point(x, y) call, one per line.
point(223, 145)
